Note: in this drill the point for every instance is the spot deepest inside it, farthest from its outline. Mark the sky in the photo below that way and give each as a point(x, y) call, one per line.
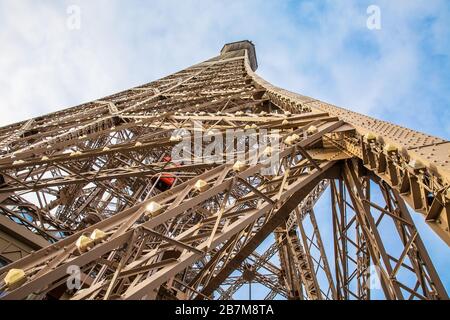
point(323, 49)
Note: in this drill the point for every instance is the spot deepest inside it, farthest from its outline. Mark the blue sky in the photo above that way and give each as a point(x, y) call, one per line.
point(318, 48)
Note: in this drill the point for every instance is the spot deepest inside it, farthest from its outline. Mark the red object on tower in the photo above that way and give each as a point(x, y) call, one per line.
point(166, 180)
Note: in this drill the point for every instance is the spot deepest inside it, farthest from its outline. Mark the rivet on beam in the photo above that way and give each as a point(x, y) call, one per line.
point(98, 235)
point(15, 278)
point(390, 148)
point(84, 243)
point(416, 164)
point(201, 186)
point(239, 166)
point(153, 209)
point(370, 137)
point(312, 130)
point(268, 151)
point(176, 139)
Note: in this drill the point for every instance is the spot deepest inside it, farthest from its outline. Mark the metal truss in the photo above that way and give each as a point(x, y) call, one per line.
point(95, 187)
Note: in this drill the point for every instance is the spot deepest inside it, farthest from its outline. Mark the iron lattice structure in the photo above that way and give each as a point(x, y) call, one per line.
point(94, 186)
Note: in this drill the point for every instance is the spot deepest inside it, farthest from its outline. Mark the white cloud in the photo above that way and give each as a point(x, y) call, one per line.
point(45, 66)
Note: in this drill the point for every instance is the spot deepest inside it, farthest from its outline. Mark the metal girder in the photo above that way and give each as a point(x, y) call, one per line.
point(414, 163)
point(98, 166)
point(59, 256)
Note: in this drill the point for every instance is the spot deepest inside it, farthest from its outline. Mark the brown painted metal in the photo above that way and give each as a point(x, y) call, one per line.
point(98, 166)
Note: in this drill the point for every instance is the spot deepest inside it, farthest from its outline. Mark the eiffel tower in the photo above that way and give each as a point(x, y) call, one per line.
point(95, 205)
